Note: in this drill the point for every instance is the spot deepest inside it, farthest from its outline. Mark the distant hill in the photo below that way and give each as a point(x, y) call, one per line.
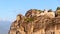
point(4, 27)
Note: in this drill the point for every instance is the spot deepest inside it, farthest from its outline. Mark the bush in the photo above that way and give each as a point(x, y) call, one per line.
point(50, 10)
point(58, 8)
point(29, 19)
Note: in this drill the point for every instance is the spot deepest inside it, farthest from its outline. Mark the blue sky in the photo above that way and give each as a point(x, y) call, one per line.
point(10, 8)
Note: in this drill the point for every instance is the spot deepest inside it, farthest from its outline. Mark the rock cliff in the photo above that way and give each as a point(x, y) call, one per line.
point(33, 21)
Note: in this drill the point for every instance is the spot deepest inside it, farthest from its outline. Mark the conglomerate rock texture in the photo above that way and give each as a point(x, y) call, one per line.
point(33, 21)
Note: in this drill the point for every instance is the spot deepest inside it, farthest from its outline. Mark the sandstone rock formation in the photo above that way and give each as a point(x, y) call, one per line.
point(36, 22)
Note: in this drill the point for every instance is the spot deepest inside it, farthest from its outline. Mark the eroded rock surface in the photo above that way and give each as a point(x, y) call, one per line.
point(35, 22)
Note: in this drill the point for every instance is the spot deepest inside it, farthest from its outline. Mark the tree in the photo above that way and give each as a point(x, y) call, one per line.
point(58, 8)
point(50, 10)
point(57, 11)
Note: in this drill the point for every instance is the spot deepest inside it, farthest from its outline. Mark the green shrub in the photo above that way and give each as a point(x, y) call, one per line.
point(29, 19)
point(50, 10)
point(58, 8)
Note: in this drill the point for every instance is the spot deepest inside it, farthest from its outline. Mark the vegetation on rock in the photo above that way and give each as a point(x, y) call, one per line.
point(31, 23)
